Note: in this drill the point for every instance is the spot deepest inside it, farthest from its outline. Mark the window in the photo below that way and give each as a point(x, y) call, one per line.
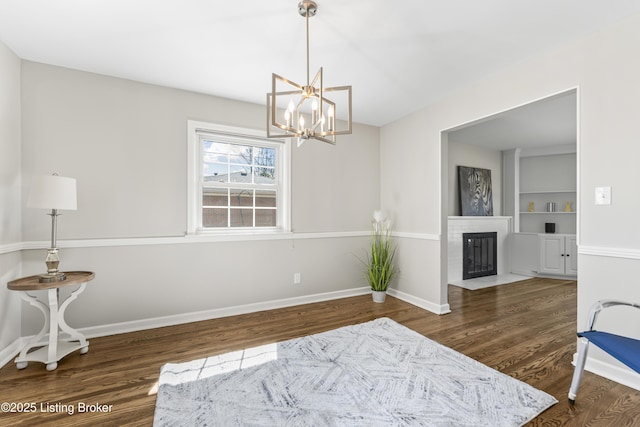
point(239, 180)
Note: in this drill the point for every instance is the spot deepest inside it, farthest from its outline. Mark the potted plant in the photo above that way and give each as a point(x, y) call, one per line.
point(380, 268)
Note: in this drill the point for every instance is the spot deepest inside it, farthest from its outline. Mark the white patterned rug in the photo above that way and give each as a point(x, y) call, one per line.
point(378, 373)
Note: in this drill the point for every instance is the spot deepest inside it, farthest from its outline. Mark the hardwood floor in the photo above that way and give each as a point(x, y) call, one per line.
point(525, 329)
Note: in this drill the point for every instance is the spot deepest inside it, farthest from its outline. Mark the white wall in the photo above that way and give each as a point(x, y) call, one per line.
point(10, 202)
point(476, 157)
point(126, 144)
point(605, 69)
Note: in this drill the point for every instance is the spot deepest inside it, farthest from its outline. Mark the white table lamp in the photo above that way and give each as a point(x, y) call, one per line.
point(56, 193)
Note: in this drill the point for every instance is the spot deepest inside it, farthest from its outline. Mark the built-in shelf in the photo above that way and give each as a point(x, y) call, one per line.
point(547, 213)
point(544, 181)
point(547, 191)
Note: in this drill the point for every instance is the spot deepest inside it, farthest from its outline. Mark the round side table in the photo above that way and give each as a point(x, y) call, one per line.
point(55, 348)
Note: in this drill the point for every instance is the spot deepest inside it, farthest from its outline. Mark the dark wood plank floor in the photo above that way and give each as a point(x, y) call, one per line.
point(525, 329)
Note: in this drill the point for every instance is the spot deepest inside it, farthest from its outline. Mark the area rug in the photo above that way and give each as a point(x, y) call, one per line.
point(378, 373)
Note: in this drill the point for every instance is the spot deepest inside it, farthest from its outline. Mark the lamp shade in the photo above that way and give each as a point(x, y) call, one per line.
point(53, 192)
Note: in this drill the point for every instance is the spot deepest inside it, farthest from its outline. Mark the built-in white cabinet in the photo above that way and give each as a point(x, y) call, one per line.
point(558, 254)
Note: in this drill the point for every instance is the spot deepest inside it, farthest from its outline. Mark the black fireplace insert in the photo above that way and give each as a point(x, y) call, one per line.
point(479, 254)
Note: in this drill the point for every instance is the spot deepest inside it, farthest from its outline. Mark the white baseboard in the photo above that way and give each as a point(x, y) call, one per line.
point(178, 319)
point(419, 302)
point(610, 371)
point(8, 353)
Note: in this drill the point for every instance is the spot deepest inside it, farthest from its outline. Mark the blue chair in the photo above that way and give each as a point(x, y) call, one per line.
point(626, 350)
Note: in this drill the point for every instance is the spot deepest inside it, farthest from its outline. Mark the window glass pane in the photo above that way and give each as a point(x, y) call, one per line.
point(264, 156)
point(240, 154)
point(264, 175)
point(240, 181)
point(215, 197)
point(241, 197)
point(241, 217)
point(215, 151)
point(240, 174)
point(214, 172)
point(215, 217)
point(266, 218)
point(265, 198)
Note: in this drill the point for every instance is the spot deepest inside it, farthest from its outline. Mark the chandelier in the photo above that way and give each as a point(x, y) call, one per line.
point(308, 111)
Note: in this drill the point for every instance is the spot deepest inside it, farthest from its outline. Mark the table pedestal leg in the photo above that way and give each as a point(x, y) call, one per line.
point(73, 333)
point(52, 351)
point(55, 348)
point(35, 341)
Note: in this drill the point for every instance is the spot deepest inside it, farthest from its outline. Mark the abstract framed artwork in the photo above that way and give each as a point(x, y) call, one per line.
point(476, 197)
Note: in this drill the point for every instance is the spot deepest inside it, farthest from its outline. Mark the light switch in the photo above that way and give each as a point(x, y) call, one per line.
point(603, 195)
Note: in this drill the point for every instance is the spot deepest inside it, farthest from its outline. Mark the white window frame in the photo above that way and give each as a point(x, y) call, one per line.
point(196, 129)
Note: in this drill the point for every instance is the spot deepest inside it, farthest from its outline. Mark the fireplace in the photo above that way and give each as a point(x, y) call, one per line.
point(479, 255)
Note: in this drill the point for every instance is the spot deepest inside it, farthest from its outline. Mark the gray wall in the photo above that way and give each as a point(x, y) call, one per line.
point(126, 144)
point(10, 203)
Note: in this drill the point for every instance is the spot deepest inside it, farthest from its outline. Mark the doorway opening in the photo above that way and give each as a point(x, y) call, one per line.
point(545, 127)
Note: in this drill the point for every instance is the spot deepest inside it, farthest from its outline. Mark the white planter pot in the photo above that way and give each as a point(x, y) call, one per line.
point(379, 296)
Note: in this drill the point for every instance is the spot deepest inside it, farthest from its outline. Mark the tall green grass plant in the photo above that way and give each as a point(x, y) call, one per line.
point(380, 267)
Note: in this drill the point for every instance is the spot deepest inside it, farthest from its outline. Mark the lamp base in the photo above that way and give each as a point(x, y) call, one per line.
point(52, 261)
point(52, 277)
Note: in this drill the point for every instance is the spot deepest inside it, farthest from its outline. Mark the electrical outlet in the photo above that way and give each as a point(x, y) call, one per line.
point(296, 279)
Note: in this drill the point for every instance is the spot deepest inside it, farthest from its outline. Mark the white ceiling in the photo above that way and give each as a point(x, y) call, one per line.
point(548, 122)
point(399, 55)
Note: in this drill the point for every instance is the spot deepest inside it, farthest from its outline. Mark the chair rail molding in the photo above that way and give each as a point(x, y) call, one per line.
point(609, 252)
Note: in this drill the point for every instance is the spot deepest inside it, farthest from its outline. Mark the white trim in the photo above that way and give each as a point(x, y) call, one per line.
point(418, 236)
point(625, 253)
point(8, 353)
point(332, 235)
point(193, 173)
point(476, 218)
point(419, 302)
point(578, 167)
point(11, 247)
point(612, 372)
point(211, 238)
point(200, 238)
point(194, 164)
point(178, 319)
point(550, 151)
